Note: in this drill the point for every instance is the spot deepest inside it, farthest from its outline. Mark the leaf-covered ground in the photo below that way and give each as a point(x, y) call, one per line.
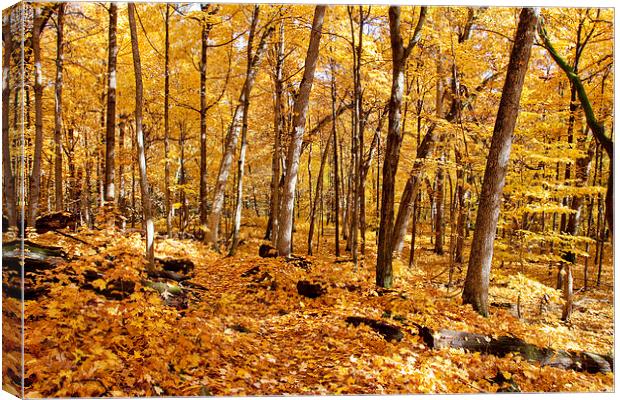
point(248, 331)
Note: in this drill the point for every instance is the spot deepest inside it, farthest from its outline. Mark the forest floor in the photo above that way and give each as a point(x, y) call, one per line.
point(245, 330)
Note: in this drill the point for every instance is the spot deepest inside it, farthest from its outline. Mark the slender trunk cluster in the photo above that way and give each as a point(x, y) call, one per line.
point(238, 124)
point(285, 216)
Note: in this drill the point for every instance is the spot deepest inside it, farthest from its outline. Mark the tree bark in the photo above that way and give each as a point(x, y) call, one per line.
point(478, 272)
point(394, 139)
point(144, 184)
point(285, 218)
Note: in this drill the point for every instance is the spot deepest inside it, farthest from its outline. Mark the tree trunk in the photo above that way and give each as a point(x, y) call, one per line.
point(144, 184)
point(204, 39)
point(237, 124)
point(405, 210)
point(319, 189)
point(278, 122)
point(415, 215)
point(439, 208)
point(244, 133)
point(285, 218)
point(183, 212)
point(335, 167)
point(7, 173)
point(168, 205)
point(122, 201)
point(477, 281)
point(58, 192)
point(461, 195)
point(41, 15)
point(109, 189)
point(394, 140)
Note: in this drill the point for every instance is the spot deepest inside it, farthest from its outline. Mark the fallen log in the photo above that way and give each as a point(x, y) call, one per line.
point(310, 290)
point(504, 345)
point(36, 257)
point(55, 220)
point(389, 332)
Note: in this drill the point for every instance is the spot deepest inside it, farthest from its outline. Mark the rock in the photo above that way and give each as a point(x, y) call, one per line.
point(267, 251)
point(311, 290)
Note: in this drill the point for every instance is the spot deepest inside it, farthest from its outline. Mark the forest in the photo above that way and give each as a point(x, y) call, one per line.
point(204, 199)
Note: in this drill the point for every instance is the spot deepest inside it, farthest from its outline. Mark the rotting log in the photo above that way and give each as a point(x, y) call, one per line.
point(504, 345)
point(388, 331)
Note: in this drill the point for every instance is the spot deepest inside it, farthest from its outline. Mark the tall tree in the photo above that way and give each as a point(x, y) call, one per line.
point(110, 127)
point(60, 18)
point(206, 26)
point(144, 184)
point(278, 126)
point(285, 217)
point(400, 54)
point(7, 172)
point(168, 206)
point(476, 288)
point(41, 16)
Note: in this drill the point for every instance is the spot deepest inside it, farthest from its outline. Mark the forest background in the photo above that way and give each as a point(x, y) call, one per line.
point(223, 87)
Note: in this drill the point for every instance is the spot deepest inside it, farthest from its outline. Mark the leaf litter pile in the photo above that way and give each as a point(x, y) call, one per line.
point(247, 325)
